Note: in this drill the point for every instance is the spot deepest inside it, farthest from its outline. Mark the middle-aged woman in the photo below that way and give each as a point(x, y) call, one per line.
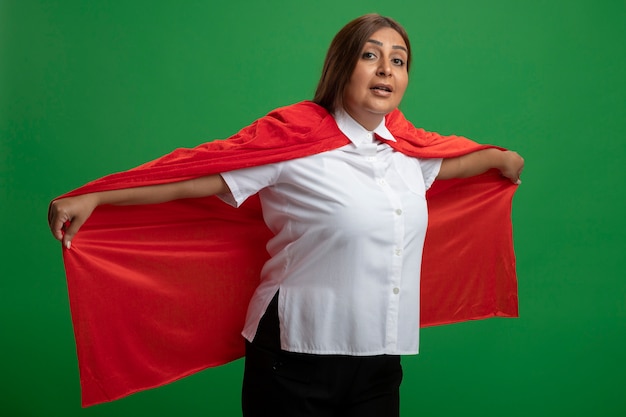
point(338, 299)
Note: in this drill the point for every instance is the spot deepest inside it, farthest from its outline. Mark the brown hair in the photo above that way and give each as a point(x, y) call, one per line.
point(343, 55)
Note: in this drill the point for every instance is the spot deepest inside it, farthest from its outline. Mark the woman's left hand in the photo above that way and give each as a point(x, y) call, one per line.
point(513, 165)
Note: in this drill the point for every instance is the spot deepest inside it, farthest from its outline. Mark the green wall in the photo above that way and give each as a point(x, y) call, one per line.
point(92, 87)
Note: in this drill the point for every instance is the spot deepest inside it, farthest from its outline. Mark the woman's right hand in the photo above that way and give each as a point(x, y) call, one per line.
point(67, 215)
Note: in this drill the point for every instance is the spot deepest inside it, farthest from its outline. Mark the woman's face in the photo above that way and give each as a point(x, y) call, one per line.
point(379, 79)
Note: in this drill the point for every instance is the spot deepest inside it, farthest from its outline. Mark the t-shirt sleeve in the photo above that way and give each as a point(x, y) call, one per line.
point(248, 181)
point(430, 169)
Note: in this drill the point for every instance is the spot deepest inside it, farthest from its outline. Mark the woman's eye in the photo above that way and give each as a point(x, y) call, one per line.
point(368, 55)
point(397, 61)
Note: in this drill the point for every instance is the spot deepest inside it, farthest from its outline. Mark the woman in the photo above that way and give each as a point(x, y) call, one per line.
point(336, 306)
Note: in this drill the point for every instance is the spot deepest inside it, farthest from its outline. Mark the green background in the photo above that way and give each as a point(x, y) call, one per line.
point(92, 87)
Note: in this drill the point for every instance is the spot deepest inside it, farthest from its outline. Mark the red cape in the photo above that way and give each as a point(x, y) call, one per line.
point(158, 292)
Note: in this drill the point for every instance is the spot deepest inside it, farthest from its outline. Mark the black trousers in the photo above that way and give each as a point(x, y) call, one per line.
point(286, 384)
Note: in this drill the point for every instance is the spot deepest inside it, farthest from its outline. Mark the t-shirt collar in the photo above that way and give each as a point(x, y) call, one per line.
point(357, 134)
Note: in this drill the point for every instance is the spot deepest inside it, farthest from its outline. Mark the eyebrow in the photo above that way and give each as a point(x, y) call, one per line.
point(379, 43)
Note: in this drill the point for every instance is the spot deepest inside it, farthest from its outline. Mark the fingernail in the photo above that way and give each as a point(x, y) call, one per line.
point(68, 244)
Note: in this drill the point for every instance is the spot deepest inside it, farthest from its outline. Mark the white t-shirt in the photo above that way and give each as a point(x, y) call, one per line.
point(349, 229)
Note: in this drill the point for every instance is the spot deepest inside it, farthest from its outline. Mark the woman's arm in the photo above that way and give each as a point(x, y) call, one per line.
point(77, 210)
point(509, 163)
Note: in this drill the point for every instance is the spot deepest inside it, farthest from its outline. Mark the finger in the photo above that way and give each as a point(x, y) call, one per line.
point(56, 220)
point(67, 240)
point(64, 239)
point(70, 231)
point(58, 225)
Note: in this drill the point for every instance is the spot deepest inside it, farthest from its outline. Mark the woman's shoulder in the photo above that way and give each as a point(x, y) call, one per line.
point(305, 113)
point(305, 121)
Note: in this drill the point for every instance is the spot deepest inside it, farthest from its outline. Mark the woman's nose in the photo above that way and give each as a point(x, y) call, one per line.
point(384, 70)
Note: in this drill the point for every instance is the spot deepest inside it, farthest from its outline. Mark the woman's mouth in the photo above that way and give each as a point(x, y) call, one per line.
point(382, 90)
